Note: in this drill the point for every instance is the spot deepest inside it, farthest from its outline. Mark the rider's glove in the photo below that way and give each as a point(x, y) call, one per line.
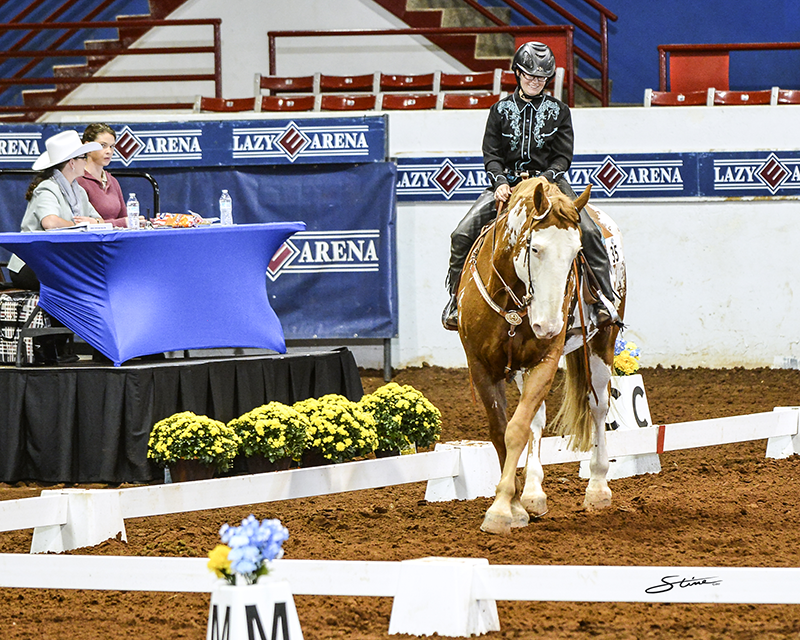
point(549, 175)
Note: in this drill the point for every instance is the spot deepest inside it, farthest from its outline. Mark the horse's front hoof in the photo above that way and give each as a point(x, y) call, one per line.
point(500, 525)
point(597, 499)
point(535, 505)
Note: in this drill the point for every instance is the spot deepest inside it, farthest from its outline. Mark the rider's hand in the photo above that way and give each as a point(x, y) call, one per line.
point(502, 193)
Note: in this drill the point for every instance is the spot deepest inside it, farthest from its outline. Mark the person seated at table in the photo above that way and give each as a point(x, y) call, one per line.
point(102, 188)
point(54, 198)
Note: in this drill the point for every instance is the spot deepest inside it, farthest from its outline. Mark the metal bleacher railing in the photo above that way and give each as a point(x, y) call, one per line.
point(49, 52)
point(537, 28)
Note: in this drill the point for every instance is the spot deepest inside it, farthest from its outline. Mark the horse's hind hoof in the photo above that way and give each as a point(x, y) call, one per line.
point(500, 525)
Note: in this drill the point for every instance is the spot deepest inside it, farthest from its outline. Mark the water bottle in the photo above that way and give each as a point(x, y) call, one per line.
point(133, 211)
point(225, 208)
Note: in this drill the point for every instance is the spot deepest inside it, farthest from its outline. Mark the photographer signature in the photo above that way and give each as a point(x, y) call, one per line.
point(668, 582)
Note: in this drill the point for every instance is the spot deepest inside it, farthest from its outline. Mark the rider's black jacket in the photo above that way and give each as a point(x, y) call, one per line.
point(532, 137)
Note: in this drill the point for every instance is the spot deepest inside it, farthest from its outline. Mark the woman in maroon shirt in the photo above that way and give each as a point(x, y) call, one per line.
point(102, 188)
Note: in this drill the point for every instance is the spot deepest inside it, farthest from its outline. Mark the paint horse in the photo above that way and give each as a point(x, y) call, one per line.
point(518, 290)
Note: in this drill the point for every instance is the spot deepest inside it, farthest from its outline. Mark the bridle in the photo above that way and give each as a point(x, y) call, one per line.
point(513, 317)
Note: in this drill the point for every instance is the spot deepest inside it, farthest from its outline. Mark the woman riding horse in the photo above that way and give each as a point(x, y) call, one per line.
point(528, 133)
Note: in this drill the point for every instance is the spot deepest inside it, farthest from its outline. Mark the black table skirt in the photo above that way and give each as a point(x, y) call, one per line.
point(91, 424)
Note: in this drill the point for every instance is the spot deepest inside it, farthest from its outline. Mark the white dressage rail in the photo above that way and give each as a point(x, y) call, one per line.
point(71, 518)
point(563, 583)
point(450, 596)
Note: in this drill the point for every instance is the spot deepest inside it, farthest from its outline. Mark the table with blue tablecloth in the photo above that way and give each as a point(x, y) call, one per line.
point(133, 293)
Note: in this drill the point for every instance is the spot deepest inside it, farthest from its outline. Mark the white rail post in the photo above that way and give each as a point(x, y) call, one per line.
point(478, 473)
point(785, 446)
point(93, 516)
point(436, 595)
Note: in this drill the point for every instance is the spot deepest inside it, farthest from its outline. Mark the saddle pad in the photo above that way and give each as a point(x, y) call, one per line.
point(612, 238)
point(15, 308)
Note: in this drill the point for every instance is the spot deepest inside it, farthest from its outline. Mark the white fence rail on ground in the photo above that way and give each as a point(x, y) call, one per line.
point(71, 518)
point(746, 585)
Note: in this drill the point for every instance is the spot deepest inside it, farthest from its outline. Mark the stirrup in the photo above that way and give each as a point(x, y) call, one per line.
point(450, 314)
point(601, 317)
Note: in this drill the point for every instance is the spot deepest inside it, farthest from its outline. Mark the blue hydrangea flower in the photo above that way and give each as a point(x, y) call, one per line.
point(253, 544)
point(619, 346)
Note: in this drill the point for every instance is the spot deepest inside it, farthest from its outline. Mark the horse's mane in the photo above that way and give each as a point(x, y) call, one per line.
point(562, 207)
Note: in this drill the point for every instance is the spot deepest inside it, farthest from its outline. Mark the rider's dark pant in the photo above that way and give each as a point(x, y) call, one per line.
point(484, 211)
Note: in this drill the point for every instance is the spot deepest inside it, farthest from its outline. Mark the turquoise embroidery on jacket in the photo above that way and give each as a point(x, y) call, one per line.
point(547, 110)
point(511, 112)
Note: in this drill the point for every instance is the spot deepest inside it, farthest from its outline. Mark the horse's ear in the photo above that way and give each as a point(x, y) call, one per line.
point(540, 200)
point(580, 203)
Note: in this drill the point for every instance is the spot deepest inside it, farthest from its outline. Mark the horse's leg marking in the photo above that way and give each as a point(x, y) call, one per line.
point(533, 498)
point(598, 495)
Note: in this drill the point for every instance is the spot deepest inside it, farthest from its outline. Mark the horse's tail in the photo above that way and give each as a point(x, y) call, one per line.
point(574, 418)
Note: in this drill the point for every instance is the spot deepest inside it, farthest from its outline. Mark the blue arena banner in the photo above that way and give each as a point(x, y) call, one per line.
point(667, 175)
point(753, 173)
point(451, 178)
point(217, 143)
point(642, 176)
point(621, 175)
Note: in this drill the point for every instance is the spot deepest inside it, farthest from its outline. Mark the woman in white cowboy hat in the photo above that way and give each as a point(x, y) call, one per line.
point(54, 198)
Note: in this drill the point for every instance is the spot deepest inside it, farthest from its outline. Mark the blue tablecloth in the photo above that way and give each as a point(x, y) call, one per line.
point(134, 293)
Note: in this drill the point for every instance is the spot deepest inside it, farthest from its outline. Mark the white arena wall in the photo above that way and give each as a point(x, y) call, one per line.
point(711, 281)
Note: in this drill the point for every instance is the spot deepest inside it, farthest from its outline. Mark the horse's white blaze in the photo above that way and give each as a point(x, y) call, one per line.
point(550, 254)
point(515, 222)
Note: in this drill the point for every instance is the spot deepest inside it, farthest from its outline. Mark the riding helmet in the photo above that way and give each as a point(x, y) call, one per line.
point(535, 59)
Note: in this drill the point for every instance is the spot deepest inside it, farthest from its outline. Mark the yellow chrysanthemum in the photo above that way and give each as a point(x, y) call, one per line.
point(218, 560)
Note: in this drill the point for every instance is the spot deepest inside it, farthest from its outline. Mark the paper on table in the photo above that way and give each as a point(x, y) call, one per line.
point(85, 226)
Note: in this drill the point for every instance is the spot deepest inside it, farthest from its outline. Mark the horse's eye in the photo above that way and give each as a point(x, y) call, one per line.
point(534, 250)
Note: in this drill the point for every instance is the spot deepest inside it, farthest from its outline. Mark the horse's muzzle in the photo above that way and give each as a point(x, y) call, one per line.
point(547, 329)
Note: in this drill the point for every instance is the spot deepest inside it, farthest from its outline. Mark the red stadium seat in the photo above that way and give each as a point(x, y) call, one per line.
point(222, 105)
point(287, 103)
point(408, 101)
point(468, 100)
point(508, 82)
point(335, 102)
point(368, 83)
point(421, 82)
point(745, 97)
point(678, 99)
point(467, 81)
point(788, 96)
point(273, 85)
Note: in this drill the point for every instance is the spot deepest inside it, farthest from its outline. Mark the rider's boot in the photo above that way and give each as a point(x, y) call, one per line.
point(602, 312)
point(461, 240)
point(450, 314)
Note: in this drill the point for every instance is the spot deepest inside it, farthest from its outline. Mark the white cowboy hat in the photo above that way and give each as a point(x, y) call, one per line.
point(62, 147)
